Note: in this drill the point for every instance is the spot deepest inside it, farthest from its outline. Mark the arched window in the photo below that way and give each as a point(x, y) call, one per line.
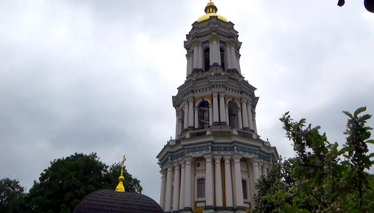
point(233, 115)
point(203, 115)
point(222, 52)
point(245, 192)
point(206, 59)
point(201, 188)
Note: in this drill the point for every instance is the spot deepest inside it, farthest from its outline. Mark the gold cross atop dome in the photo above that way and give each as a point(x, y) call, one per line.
point(120, 187)
point(211, 10)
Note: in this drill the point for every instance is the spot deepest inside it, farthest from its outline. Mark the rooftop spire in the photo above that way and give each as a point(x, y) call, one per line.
point(120, 187)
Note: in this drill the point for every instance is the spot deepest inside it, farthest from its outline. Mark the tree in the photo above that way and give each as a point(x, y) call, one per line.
point(68, 180)
point(10, 190)
point(318, 179)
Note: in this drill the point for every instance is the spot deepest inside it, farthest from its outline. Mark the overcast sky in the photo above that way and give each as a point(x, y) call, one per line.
point(98, 76)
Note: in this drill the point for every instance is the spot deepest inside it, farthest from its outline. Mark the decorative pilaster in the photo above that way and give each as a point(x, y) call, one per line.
point(196, 117)
point(250, 118)
point(228, 183)
point(195, 56)
point(210, 115)
point(183, 174)
point(209, 194)
point(238, 183)
point(163, 188)
point(185, 124)
point(189, 64)
point(240, 120)
point(245, 114)
point(168, 189)
point(215, 109)
point(264, 172)
point(187, 188)
point(254, 122)
point(227, 114)
point(222, 108)
point(256, 170)
point(215, 57)
point(190, 113)
point(176, 188)
point(218, 182)
point(177, 125)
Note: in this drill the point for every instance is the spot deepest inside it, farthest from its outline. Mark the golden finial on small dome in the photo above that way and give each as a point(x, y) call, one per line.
point(120, 187)
point(211, 10)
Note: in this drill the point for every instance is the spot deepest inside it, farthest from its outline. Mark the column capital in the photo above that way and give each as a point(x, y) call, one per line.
point(244, 100)
point(227, 158)
point(222, 93)
point(162, 172)
point(215, 94)
point(188, 160)
point(190, 99)
point(237, 158)
point(217, 158)
point(208, 157)
point(176, 165)
point(170, 167)
point(183, 164)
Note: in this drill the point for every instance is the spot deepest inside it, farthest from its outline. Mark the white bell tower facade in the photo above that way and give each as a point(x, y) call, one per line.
point(217, 155)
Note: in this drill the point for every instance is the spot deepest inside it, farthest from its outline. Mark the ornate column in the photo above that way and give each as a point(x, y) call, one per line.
point(234, 59)
point(177, 125)
point(180, 125)
point(176, 188)
point(227, 114)
point(228, 183)
point(218, 183)
point(168, 189)
point(215, 109)
point(215, 57)
point(183, 174)
point(222, 108)
point(163, 188)
point(254, 122)
point(209, 194)
point(196, 117)
point(250, 118)
point(210, 115)
point(189, 64)
point(238, 183)
point(201, 63)
point(264, 172)
point(187, 188)
point(256, 170)
point(240, 121)
point(190, 113)
point(245, 114)
point(185, 124)
point(195, 55)
point(228, 55)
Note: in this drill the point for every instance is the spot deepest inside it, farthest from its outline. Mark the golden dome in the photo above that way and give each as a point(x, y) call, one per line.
point(211, 10)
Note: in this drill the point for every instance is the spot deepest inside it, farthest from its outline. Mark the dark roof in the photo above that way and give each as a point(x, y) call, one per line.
point(105, 200)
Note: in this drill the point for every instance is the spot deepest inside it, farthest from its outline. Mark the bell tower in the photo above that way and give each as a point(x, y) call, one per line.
point(217, 155)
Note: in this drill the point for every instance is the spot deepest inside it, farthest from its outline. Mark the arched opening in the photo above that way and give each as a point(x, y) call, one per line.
point(203, 115)
point(233, 115)
point(245, 192)
point(223, 58)
point(201, 188)
point(206, 59)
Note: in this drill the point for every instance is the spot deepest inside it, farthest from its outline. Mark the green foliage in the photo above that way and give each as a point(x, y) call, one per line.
point(68, 180)
point(322, 177)
point(10, 193)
